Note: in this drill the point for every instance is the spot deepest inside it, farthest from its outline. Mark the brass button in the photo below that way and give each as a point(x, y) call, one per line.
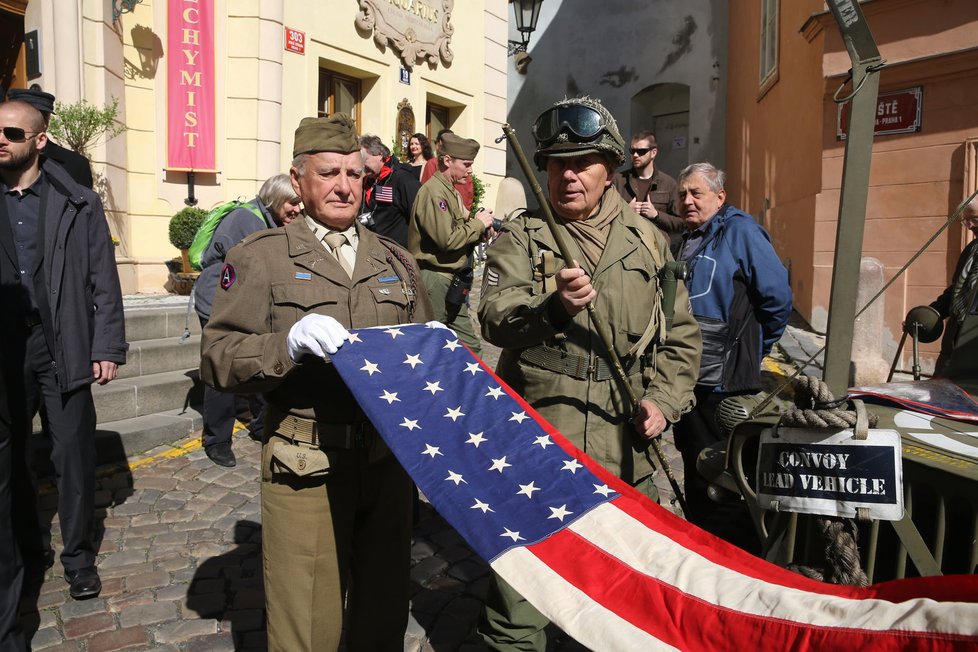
point(278, 368)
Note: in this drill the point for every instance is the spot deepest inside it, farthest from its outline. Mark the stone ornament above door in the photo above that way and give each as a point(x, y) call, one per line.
point(418, 30)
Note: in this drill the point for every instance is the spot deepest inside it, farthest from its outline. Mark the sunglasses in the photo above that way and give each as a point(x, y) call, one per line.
point(16, 134)
point(640, 151)
point(580, 123)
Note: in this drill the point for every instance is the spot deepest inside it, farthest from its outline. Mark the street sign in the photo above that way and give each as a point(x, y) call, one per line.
point(898, 112)
point(295, 41)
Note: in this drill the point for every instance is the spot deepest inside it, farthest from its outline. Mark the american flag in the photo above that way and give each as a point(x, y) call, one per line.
point(606, 564)
point(385, 194)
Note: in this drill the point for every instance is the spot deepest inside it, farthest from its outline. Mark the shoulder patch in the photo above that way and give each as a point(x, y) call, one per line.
point(228, 276)
point(442, 204)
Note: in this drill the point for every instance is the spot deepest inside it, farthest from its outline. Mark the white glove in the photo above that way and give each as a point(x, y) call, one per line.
point(436, 324)
point(315, 335)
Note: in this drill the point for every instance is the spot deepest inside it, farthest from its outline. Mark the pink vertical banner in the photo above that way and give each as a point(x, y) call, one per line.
point(190, 85)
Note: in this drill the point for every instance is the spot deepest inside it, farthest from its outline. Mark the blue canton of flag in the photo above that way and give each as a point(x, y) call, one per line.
point(472, 447)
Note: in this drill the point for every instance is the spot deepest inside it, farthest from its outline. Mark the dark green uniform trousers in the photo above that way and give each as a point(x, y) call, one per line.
point(455, 318)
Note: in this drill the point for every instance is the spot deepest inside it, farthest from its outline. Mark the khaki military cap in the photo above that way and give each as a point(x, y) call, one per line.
point(458, 147)
point(337, 133)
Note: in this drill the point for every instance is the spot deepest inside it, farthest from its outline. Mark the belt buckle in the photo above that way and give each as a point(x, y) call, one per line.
point(592, 368)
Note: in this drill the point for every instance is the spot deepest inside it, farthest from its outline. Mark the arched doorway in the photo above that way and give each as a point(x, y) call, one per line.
point(13, 72)
point(664, 109)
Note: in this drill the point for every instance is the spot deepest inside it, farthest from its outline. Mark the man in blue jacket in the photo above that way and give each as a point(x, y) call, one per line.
point(741, 299)
point(62, 329)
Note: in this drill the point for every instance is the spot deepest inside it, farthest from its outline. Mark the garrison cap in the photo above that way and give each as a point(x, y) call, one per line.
point(457, 147)
point(337, 133)
point(43, 102)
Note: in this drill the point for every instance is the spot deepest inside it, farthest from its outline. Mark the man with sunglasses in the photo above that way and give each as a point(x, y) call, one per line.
point(62, 329)
point(649, 191)
point(533, 306)
point(77, 166)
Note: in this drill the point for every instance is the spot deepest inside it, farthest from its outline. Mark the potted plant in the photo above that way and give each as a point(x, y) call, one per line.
point(183, 228)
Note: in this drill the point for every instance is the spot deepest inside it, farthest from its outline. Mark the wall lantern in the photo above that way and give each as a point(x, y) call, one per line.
point(120, 7)
point(527, 14)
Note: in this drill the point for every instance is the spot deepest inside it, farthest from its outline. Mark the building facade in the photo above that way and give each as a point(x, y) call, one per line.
point(656, 65)
point(785, 145)
point(229, 80)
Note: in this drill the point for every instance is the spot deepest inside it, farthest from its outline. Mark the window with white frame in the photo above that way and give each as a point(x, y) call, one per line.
point(769, 40)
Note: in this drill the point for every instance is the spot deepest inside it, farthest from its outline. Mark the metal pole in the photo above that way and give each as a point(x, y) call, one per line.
point(599, 323)
point(866, 63)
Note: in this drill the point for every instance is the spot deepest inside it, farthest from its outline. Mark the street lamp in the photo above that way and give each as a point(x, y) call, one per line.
point(527, 14)
point(120, 7)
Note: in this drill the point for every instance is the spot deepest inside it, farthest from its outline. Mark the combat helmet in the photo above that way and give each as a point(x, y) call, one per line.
point(576, 126)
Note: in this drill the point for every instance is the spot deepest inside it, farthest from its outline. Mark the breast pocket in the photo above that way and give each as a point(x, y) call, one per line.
point(390, 302)
point(639, 286)
point(292, 301)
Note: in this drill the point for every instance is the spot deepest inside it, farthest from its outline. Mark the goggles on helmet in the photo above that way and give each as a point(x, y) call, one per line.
point(581, 124)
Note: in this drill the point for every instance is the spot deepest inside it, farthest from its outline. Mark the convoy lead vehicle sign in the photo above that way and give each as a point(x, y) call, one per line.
point(830, 472)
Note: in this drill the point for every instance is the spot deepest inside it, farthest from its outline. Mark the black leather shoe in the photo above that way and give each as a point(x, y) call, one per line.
point(221, 454)
point(83, 583)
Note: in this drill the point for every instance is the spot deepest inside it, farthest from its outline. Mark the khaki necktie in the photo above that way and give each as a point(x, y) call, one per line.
point(335, 241)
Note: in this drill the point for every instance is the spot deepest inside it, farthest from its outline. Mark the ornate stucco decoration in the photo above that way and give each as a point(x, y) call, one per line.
point(419, 30)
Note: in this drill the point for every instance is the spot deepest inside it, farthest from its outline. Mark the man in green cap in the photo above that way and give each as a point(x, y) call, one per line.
point(533, 306)
point(336, 505)
point(442, 236)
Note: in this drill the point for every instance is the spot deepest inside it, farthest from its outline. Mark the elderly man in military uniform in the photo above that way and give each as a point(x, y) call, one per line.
point(442, 236)
point(336, 505)
point(533, 306)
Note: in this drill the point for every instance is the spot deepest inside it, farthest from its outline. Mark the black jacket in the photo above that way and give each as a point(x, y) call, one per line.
point(389, 201)
point(77, 166)
point(75, 278)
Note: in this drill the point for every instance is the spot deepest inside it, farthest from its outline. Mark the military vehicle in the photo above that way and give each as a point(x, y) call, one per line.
point(938, 532)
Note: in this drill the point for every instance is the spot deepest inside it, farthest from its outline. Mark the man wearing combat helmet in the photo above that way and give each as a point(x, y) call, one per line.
point(533, 306)
point(336, 505)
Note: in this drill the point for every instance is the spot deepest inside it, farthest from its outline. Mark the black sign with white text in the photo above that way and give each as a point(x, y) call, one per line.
point(808, 471)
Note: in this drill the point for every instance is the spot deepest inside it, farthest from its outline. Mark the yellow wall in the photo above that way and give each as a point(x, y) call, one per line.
point(262, 94)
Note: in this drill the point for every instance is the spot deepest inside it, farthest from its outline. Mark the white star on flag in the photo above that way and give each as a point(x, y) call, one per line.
point(543, 441)
point(475, 438)
point(473, 368)
point(519, 417)
point(454, 413)
point(451, 345)
point(603, 489)
point(515, 536)
point(369, 367)
point(499, 465)
point(410, 424)
point(413, 360)
point(431, 450)
point(455, 477)
point(572, 466)
point(390, 397)
point(559, 513)
point(528, 489)
point(482, 506)
point(434, 387)
point(394, 332)
point(495, 392)
point(353, 337)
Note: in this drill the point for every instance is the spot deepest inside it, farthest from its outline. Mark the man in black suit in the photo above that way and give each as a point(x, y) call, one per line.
point(62, 329)
point(78, 167)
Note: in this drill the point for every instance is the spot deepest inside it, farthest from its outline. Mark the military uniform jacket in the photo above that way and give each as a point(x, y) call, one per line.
point(276, 277)
point(517, 313)
point(441, 235)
